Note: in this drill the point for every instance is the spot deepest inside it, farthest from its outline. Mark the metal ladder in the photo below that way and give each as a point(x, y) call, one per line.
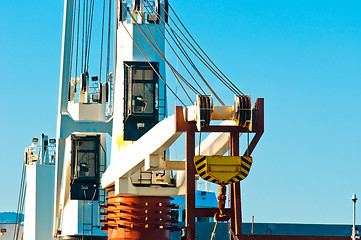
point(161, 109)
point(88, 226)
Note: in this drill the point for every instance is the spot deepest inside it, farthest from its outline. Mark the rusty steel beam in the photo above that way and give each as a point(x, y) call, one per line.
point(257, 125)
point(209, 212)
point(190, 129)
point(236, 189)
point(190, 185)
point(137, 217)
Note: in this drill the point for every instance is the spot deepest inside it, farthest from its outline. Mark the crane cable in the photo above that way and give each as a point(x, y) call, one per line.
point(72, 40)
point(108, 46)
point(200, 75)
point(209, 87)
point(161, 55)
point(77, 42)
point(200, 58)
point(175, 72)
point(21, 200)
point(165, 60)
point(229, 81)
point(228, 84)
point(189, 60)
point(231, 232)
point(173, 50)
point(89, 30)
point(172, 69)
point(101, 44)
point(82, 41)
point(152, 65)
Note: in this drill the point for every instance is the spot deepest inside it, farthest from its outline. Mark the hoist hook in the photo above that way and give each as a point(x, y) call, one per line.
point(221, 216)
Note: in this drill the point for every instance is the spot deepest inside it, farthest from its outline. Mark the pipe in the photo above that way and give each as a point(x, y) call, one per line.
point(354, 199)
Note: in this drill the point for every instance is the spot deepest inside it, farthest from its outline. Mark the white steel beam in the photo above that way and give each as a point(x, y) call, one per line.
point(63, 102)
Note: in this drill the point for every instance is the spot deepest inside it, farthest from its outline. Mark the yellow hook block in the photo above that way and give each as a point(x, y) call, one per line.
point(223, 169)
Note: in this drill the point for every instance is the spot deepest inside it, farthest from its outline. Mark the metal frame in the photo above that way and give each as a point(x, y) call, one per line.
point(190, 129)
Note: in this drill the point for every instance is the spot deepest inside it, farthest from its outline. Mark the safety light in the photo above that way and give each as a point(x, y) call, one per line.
point(52, 141)
point(35, 140)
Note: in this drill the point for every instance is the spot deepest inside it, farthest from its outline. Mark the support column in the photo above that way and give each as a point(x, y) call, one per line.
point(190, 185)
point(236, 190)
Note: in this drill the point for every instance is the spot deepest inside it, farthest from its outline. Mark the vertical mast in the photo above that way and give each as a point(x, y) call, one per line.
point(63, 103)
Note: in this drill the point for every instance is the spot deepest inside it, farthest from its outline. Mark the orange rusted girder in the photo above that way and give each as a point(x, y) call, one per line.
point(190, 129)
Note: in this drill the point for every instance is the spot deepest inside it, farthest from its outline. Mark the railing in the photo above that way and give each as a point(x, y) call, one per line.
point(80, 95)
point(37, 154)
point(146, 8)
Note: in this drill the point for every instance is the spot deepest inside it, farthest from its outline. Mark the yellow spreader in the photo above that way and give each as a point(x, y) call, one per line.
point(223, 169)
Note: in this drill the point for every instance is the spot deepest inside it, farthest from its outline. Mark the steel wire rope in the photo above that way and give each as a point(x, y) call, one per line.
point(22, 194)
point(153, 10)
point(18, 206)
point(21, 207)
point(152, 65)
point(195, 68)
point(214, 230)
point(209, 87)
point(174, 51)
point(21, 197)
point(231, 232)
point(90, 27)
point(108, 46)
point(82, 41)
point(174, 71)
point(204, 61)
point(101, 44)
point(86, 38)
point(72, 43)
point(184, 53)
point(177, 37)
point(230, 82)
point(165, 60)
point(77, 43)
point(201, 58)
point(86, 32)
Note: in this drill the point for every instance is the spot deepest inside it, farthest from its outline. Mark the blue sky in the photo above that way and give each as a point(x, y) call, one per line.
point(303, 57)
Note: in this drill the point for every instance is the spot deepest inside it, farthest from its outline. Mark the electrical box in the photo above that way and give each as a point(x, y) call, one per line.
point(84, 167)
point(140, 98)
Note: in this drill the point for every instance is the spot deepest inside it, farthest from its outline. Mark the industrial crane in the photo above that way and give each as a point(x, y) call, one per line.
point(119, 102)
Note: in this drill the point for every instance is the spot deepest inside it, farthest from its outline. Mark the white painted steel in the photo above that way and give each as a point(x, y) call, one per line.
point(71, 217)
point(142, 155)
point(9, 229)
point(38, 204)
point(72, 117)
point(131, 158)
point(63, 101)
